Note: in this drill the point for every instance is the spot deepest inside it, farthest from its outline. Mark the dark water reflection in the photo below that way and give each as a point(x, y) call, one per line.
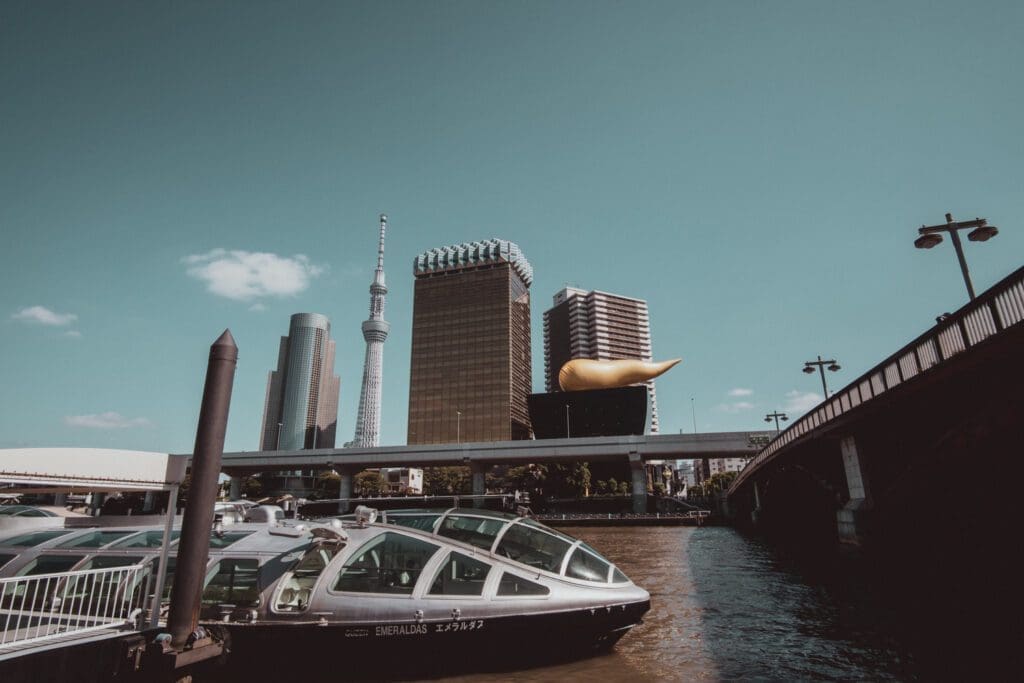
point(728, 607)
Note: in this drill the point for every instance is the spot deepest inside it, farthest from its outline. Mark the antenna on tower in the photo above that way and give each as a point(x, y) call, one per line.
point(380, 248)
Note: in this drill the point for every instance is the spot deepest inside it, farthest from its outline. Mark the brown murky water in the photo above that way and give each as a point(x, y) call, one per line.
point(728, 607)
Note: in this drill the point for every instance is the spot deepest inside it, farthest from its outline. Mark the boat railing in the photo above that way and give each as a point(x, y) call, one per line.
point(48, 607)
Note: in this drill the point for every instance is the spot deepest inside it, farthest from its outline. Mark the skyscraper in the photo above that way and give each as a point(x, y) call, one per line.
point(470, 370)
point(301, 407)
point(375, 331)
point(596, 325)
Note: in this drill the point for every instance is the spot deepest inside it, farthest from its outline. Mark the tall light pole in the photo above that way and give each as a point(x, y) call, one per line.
point(567, 420)
point(458, 426)
point(832, 366)
point(931, 235)
point(776, 414)
point(279, 426)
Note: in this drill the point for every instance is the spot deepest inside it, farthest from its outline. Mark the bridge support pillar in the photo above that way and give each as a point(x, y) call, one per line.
point(235, 490)
point(850, 517)
point(478, 473)
point(345, 477)
point(639, 472)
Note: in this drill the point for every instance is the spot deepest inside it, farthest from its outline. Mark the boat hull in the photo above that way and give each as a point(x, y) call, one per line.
point(389, 649)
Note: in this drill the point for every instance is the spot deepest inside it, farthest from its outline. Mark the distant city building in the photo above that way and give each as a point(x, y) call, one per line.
point(301, 407)
point(596, 325)
point(375, 332)
point(685, 475)
point(705, 468)
point(470, 368)
point(403, 480)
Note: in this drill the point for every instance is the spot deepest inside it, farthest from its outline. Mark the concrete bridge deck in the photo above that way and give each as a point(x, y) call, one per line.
point(905, 429)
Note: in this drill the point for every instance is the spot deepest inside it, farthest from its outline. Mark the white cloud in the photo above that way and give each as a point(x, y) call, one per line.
point(73, 333)
point(44, 316)
point(741, 392)
point(735, 407)
point(245, 275)
point(108, 420)
point(257, 307)
point(799, 402)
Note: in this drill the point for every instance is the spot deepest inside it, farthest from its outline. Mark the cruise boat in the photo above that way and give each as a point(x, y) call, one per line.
point(376, 587)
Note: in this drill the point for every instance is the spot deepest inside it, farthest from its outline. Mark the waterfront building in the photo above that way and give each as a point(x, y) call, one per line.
point(375, 332)
point(301, 406)
point(722, 465)
point(470, 366)
point(599, 326)
point(403, 481)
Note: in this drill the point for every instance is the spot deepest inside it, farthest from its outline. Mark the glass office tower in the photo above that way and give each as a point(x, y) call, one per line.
point(301, 407)
point(470, 370)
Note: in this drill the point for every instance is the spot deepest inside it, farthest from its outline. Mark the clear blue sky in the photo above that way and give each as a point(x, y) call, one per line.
point(755, 170)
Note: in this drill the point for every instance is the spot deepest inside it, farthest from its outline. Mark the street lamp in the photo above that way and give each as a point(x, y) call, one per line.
point(279, 426)
point(458, 426)
point(931, 235)
point(832, 366)
point(776, 415)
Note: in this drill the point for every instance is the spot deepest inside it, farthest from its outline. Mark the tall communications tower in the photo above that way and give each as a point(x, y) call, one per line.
point(375, 331)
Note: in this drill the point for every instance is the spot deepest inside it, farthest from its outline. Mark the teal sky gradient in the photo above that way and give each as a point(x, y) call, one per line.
point(755, 170)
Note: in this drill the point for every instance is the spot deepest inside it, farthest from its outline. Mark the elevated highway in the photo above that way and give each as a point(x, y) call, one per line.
point(635, 450)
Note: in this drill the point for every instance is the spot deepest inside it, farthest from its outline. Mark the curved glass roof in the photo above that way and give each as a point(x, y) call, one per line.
point(515, 538)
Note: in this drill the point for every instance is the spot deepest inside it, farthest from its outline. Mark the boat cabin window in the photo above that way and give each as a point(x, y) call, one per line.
point(227, 538)
point(93, 592)
point(147, 539)
point(5, 558)
point(421, 522)
point(297, 589)
point(533, 547)
point(514, 585)
point(233, 581)
point(389, 563)
point(473, 530)
point(94, 539)
point(584, 565)
point(110, 561)
point(460, 575)
point(618, 577)
point(154, 569)
point(50, 564)
point(36, 537)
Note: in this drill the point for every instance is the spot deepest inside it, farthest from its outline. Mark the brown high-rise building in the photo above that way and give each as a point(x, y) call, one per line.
point(470, 370)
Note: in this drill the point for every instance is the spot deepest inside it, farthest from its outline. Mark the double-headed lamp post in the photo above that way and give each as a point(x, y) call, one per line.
point(821, 364)
point(776, 414)
point(931, 235)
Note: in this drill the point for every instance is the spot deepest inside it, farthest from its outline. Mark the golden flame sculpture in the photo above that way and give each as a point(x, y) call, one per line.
point(583, 373)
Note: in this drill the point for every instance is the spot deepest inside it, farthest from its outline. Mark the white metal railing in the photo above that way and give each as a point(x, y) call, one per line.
point(51, 606)
point(995, 310)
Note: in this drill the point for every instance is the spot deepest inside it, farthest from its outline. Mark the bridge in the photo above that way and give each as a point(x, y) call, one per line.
point(894, 458)
point(636, 450)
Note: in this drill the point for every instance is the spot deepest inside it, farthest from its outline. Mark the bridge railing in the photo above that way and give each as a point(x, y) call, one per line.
point(48, 607)
point(1000, 307)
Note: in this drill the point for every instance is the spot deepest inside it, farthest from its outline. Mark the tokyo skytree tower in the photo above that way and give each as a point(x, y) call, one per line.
point(375, 331)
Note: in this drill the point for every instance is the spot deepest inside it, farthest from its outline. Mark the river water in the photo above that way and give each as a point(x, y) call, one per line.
point(725, 606)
